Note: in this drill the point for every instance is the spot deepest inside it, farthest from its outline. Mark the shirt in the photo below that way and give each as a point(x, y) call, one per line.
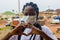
point(45, 29)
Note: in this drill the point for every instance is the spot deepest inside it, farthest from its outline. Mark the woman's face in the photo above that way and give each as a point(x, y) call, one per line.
point(29, 11)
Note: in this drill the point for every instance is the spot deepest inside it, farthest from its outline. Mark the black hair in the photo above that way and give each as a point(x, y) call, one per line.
point(34, 6)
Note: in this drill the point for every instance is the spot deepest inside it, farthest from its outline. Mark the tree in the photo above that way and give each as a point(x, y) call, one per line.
point(8, 13)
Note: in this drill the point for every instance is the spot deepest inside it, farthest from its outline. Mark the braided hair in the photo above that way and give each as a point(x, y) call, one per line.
point(34, 6)
point(36, 9)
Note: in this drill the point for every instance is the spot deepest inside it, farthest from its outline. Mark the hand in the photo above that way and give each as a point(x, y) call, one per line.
point(18, 30)
point(15, 31)
point(34, 29)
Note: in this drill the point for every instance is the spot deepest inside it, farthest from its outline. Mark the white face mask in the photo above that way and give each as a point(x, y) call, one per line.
point(30, 19)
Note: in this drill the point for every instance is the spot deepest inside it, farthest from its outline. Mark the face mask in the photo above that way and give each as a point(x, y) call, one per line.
point(30, 19)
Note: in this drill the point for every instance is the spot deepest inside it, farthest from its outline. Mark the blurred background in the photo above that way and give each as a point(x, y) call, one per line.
point(11, 12)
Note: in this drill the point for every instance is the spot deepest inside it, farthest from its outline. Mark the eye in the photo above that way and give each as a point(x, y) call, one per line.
point(31, 14)
point(26, 14)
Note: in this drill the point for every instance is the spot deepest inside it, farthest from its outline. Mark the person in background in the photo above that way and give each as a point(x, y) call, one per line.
point(38, 32)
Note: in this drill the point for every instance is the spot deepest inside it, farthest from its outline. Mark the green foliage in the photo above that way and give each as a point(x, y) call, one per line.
point(6, 28)
point(2, 19)
point(8, 13)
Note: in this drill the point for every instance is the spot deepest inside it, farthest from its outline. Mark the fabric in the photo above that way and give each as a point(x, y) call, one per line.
point(45, 29)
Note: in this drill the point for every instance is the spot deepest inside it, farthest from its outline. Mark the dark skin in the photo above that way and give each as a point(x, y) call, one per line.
point(18, 30)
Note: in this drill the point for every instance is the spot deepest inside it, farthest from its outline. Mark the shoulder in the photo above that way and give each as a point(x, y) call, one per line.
point(48, 32)
point(46, 29)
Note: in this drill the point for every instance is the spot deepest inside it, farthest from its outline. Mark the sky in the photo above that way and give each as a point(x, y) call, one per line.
point(9, 5)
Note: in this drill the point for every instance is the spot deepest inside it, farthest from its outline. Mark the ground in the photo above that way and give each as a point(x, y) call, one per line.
point(53, 27)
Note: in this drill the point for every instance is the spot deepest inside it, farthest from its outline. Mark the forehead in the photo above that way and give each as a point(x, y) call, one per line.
point(29, 9)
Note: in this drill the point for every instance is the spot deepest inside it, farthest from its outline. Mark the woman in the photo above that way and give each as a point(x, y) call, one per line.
point(38, 32)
